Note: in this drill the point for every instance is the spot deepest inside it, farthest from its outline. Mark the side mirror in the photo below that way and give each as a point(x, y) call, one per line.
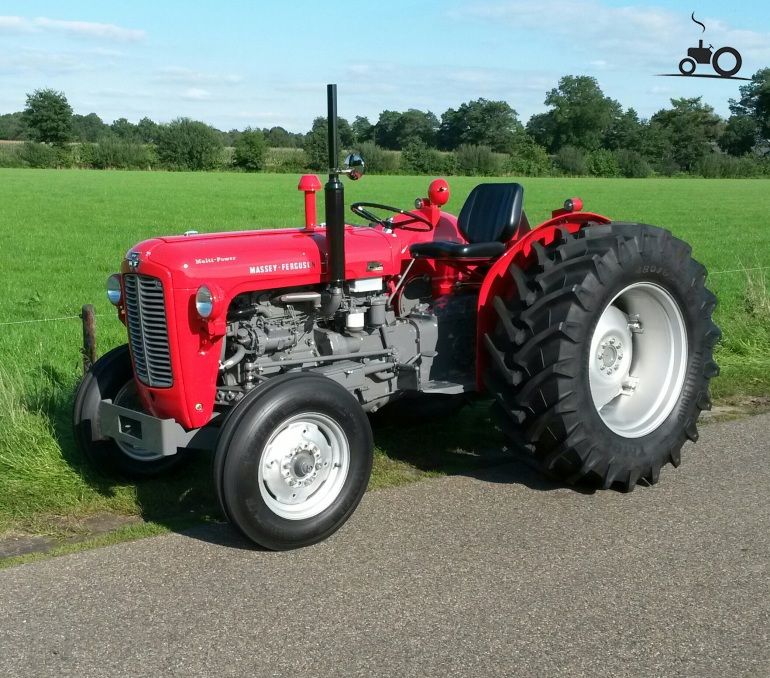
point(354, 166)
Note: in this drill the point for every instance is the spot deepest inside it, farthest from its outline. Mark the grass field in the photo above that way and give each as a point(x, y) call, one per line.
point(64, 232)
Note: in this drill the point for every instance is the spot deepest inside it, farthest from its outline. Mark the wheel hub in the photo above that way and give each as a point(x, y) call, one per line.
point(304, 466)
point(613, 351)
point(301, 466)
point(638, 359)
point(611, 354)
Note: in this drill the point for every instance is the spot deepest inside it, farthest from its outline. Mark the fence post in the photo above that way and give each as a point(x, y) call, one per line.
point(89, 337)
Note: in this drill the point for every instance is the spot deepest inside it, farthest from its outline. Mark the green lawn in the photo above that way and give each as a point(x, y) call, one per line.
point(64, 232)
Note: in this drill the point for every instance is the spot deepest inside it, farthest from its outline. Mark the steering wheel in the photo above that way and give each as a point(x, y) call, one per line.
point(360, 208)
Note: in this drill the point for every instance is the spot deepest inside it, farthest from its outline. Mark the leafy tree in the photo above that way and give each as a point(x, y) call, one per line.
point(632, 164)
point(691, 127)
point(186, 144)
point(112, 152)
point(385, 132)
point(416, 126)
point(316, 143)
point(48, 117)
point(542, 128)
point(656, 146)
point(602, 163)
point(345, 137)
point(40, 156)
point(148, 131)
point(581, 114)
point(739, 135)
point(473, 161)
point(88, 128)
point(527, 158)
point(396, 131)
point(571, 160)
point(378, 160)
point(250, 150)
point(362, 129)
point(12, 127)
point(125, 130)
point(755, 103)
point(417, 158)
point(230, 138)
point(623, 131)
point(479, 123)
point(278, 137)
point(316, 146)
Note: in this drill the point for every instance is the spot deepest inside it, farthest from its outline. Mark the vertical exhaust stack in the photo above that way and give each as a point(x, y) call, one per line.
point(334, 200)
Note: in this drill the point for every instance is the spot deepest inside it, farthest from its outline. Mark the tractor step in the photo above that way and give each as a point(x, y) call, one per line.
point(447, 387)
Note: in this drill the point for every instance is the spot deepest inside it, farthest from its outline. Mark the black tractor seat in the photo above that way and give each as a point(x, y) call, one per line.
point(489, 218)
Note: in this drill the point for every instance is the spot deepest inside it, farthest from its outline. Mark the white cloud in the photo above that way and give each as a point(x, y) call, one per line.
point(37, 61)
point(86, 29)
point(197, 94)
point(78, 29)
point(187, 76)
point(636, 37)
point(13, 24)
point(107, 52)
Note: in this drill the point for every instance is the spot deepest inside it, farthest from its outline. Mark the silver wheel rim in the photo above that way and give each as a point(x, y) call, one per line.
point(304, 466)
point(128, 397)
point(638, 360)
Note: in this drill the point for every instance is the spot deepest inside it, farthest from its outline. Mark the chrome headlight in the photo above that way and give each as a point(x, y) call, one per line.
point(204, 301)
point(114, 293)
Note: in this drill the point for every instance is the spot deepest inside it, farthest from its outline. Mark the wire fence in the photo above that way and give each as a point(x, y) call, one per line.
point(111, 315)
point(50, 320)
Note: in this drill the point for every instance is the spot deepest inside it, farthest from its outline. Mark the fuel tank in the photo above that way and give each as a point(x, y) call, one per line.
point(254, 260)
point(176, 352)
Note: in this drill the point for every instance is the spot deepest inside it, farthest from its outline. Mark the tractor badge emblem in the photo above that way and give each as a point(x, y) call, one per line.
point(726, 61)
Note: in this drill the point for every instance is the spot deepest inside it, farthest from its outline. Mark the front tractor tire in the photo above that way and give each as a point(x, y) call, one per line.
point(112, 378)
point(293, 461)
point(602, 355)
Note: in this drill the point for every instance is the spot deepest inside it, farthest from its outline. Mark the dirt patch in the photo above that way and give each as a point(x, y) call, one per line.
point(64, 531)
point(738, 406)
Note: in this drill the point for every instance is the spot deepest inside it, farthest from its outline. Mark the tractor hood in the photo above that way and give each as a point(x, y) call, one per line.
point(263, 259)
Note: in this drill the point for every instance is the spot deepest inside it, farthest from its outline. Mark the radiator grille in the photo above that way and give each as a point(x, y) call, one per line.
point(147, 330)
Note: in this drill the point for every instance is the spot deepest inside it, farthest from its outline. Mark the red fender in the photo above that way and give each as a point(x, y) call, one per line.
point(497, 282)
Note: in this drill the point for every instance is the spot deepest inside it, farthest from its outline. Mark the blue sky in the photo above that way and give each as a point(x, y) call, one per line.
point(235, 64)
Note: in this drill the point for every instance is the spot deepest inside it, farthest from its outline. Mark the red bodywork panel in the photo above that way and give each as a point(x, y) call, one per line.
point(498, 283)
point(232, 263)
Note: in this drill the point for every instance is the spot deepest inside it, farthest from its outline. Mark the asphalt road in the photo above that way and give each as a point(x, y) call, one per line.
point(497, 575)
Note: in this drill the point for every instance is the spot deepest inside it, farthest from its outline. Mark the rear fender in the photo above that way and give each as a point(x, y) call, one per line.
point(498, 282)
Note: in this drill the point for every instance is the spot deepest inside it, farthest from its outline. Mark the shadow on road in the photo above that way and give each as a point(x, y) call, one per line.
point(462, 442)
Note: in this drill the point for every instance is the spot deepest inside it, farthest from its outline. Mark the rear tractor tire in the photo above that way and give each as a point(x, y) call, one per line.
point(293, 461)
point(112, 378)
point(601, 358)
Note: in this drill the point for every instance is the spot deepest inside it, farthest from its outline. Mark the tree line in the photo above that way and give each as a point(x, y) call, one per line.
point(583, 132)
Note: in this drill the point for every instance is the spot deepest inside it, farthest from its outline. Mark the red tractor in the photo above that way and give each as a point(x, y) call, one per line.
point(593, 338)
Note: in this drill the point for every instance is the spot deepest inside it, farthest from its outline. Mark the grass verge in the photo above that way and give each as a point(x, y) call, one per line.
point(65, 231)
